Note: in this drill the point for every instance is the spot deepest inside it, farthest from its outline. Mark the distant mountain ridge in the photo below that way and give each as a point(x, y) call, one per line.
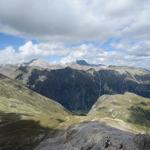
point(78, 64)
point(37, 63)
point(84, 63)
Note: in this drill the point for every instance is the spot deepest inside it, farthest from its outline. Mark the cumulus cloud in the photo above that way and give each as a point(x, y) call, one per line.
point(30, 51)
point(8, 56)
point(136, 53)
point(129, 55)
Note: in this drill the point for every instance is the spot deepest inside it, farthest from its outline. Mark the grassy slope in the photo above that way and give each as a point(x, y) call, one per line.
point(25, 116)
point(130, 108)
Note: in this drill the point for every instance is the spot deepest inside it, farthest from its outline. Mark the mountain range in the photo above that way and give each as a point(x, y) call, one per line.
point(75, 106)
point(78, 85)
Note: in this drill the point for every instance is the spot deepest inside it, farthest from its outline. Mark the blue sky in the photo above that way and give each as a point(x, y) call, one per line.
point(17, 41)
point(110, 32)
point(10, 40)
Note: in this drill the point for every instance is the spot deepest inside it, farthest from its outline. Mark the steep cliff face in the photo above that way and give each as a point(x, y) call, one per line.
point(74, 89)
point(78, 90)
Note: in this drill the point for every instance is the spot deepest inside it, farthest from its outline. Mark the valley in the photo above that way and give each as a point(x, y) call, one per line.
point(85, 83)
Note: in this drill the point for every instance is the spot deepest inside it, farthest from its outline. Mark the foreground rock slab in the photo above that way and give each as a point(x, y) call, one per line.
point(94, 136)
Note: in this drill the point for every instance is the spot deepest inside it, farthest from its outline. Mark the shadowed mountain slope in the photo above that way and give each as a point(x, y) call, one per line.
point(26, 117)
point(78, 90)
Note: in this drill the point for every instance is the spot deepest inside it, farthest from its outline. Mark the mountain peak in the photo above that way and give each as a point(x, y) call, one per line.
point(82, 62)
point(37, 63)
point(85, 63)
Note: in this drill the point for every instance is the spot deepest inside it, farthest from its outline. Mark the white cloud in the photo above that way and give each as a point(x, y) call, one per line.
point(124, 53)
point(75, 19)
point(30, 51)
point(8, 55)
point(134, 52)
point(41, 49)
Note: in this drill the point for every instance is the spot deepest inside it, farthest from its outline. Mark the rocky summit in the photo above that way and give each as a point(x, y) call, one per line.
point(95, 136)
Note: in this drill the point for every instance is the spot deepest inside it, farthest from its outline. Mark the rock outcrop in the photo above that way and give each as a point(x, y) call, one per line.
point(94, 136)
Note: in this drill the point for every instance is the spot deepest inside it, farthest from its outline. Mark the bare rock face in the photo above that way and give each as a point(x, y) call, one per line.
point(95, 136)
point(84, 87)
point(142, 141)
